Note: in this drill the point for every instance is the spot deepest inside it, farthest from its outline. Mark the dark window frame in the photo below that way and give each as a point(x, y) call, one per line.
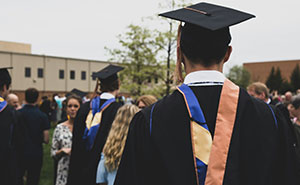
point(27, 72)
point(83, 75)
point(61, 74)
point(40, 73)
point(72, 74)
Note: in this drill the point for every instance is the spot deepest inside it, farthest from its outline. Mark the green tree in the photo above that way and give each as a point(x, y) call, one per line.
point(139, 54)
point(278, 79)
point(295, 78)
point(285, 86)
point(239, 75)
point(167, 42)
point(271, 80)
point(275, 80)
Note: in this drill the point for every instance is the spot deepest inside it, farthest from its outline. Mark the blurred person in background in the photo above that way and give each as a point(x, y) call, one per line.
point(294, 109)
point(36, 128)
point(45, 107)
point(13, 100)
point(9, 136)
point(92, 125)
point(62, 140)
point(260, 91)
point(145, 101)
point(287, 98)
point(113, 148)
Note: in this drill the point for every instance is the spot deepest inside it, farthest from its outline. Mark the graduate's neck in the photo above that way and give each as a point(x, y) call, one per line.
point(191, 67)
point(115, 92)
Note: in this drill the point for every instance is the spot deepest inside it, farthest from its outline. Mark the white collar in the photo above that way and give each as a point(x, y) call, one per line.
point(204, 78)
point(269, 101)
point(106, 95)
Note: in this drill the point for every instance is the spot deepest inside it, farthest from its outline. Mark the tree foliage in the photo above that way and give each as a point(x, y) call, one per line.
point(138, 53)
point(271, 80)
point(275, 80)
point(295, 78)
point(239, 75)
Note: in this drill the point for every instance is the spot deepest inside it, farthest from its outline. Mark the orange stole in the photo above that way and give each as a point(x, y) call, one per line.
point(223, 132)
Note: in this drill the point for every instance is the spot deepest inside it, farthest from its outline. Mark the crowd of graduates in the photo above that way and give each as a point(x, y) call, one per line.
point(208, 131)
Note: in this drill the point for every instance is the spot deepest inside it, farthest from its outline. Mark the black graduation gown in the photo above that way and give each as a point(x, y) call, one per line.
point(11, 146)
point(83, 163)
point(259, 153)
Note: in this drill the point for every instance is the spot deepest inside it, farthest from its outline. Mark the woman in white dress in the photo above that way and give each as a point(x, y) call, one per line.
point(62, 140)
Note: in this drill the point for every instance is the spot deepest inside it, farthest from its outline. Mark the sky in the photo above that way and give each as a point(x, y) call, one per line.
point(83, 28)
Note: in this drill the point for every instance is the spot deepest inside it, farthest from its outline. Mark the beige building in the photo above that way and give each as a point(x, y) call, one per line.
point(48, 74)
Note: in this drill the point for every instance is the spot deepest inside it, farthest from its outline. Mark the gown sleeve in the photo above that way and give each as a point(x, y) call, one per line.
point(134, 165)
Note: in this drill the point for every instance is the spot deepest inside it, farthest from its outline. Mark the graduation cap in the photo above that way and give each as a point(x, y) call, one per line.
point(5, 68)
point(4, 74)
point(77, 92)
point(206, 23)
point(108, 74)
point(209, 16)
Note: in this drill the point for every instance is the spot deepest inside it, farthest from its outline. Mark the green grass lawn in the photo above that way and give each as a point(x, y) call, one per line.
point(47, 169)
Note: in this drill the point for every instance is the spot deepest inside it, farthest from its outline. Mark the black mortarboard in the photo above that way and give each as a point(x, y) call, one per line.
point(209, 16)
point(206, 27)
point(77, 92)
point(108, 74)
point(4, 74)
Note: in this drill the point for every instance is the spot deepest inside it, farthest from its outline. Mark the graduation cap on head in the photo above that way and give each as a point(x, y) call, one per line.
point(108, 74)
point(77, 92)
point(207, 23)
point(4, 74)
point(206, 29)
point(209, 16)
point(5, 68)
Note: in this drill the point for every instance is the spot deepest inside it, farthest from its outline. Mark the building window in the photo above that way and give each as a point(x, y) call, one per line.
point(72, 74)
point(27, 72)
point(93, 77)
point(40, 73)
point(83, 75)
point(61, 74)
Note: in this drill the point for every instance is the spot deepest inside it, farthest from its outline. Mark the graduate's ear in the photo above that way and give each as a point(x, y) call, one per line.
point(227, 54)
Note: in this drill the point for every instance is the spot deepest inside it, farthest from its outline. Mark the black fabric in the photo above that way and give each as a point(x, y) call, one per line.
point(83, 164)
point(259, 153)
point(108, 74)
point(10, 145)
point(35, 123)
point(32, 166)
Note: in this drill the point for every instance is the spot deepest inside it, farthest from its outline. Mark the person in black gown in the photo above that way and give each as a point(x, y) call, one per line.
point(160, 148)
point(10, 134)
point(91, 128)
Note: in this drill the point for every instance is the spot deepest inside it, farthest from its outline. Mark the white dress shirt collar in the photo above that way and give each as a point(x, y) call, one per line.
point(204, 78)
point(106, 95)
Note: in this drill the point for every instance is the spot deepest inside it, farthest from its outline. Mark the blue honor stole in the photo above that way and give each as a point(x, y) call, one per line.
point(200, 135)
point(3, 104)
point(93, 120)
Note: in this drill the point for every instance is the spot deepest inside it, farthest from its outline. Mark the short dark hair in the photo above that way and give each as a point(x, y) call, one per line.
point(73, 96)
point(5, 79)
point(109, 87)
point(204, 46)
point(31, 95)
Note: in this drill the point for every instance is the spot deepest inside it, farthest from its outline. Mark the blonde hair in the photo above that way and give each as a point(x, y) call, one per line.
point(259, 88)
point(146, 99)
point(115, 142)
